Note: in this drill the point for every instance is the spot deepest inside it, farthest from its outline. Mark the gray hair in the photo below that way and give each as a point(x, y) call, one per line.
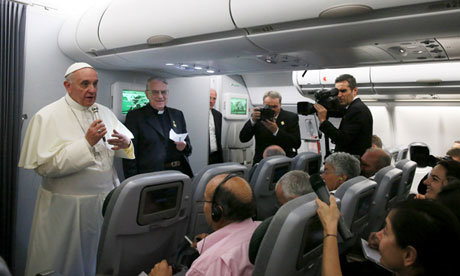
point(295, 183)
point(154, 79)
point(69, 77)
point(344, 164)
point(273, 95)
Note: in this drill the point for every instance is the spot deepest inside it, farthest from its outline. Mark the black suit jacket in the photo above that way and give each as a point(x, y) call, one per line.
point(150, 143)
point(355, 130)
point(218, 128)
point(288, 136)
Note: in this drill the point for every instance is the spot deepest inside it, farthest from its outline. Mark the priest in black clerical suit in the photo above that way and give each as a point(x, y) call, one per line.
point(354, 134)
point(283, 131)
point(150, 126)
point(215, 131)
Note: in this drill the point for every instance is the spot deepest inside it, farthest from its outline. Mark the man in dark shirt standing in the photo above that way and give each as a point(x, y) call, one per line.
point(215, 131)
point(151, 126)
point(354, 134)
point(283, 130)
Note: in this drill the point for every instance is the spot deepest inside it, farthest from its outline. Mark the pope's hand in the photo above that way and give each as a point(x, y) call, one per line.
point(95, 132)
point(120, 141)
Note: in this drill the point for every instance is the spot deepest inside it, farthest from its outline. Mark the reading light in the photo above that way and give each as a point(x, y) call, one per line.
point(210, 71)
point(169, 64)
point(184, 65)
point(198, 67)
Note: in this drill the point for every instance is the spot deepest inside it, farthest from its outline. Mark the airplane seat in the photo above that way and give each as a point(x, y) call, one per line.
point(356, 200)
point(308, 162)
point(145, 222)
point(408, 168)
point(293, 242)
point(402, 153)
point(238, 151)
point(419, 153)
point(263, 182)
point(347, 184)
point(388, 181)
point(197, 223)
point(4, 271)
point(393, 152)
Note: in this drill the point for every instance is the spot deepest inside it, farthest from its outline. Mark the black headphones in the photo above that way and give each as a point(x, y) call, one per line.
point(217, 210)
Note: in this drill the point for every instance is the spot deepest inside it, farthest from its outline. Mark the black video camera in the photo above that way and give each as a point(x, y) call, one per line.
point(327, 98)
point(266, 113)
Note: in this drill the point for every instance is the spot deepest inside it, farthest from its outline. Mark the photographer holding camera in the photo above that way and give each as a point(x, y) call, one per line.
point(272, 125)
point(354, 134)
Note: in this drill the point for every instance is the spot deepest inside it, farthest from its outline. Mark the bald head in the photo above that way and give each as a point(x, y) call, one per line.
point(456, 144)
point(212, 98)
point(234, 198)
point(373, 160)
point(273, 150)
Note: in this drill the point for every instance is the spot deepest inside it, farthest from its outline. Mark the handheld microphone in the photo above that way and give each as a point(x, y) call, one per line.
point(95, 111)
point(322, 192)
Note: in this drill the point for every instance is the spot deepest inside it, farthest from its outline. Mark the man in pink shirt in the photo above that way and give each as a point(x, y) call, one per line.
point(229, 206)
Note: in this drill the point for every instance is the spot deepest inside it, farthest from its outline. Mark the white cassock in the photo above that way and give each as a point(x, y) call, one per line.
point(76, 178)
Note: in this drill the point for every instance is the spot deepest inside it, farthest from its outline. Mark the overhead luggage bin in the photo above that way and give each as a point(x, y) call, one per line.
point(235, 37)
point(432, 78)
point(128, 23)
point(262, 12)
point(361, 74)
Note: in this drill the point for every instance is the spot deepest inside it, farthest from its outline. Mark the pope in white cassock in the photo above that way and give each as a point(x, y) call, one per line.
point(71, 144)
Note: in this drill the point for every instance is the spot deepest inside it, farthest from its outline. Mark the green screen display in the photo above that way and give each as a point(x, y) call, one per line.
point(132, 100)
point(238, 106)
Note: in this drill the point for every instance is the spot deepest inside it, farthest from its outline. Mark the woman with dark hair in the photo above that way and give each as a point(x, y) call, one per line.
point(421, 237)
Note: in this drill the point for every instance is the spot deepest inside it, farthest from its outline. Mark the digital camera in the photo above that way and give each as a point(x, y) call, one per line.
point(266, 113)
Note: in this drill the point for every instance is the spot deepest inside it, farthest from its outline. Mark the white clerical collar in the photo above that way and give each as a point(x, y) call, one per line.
point(76, 105)
point(161, 112)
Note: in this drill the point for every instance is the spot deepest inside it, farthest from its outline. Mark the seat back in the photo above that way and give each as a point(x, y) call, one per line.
point(402, 153)
point(238, 151)
point(419, 153)
point(393, 152)
point(263, 181)
point(293, 242)
point(198, 224)
point(145, 222)
point(408, 168)
point(308, 162)
point(386, 195)
point(356, 201)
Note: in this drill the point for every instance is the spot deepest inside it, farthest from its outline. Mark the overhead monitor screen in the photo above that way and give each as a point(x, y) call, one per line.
point(238, 106)
point(133, 99)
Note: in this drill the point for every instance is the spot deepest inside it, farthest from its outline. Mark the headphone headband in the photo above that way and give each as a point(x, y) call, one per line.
point(216, 210)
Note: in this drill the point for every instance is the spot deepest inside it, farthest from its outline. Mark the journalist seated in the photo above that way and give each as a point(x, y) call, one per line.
point(338, 168)
point(439, 177)
point(373, 160)
point(420, 237)
point(229, 207)
point(291, 185)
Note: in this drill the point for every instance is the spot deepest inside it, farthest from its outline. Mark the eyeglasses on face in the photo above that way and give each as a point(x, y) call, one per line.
point(203, 201)
point(158, 92)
